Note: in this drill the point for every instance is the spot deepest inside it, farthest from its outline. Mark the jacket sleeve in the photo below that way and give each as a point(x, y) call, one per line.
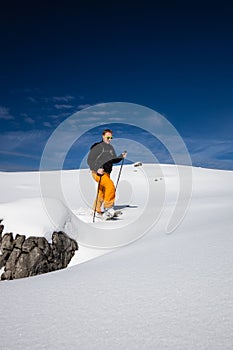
point(116, 158)
point(91, 159)
point(94, 157)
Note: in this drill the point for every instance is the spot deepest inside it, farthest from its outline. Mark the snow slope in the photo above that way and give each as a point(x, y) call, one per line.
point(162, 291)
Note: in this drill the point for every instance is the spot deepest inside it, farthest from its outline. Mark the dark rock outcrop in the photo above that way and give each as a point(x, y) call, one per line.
point(24, 257)
point(1, 230)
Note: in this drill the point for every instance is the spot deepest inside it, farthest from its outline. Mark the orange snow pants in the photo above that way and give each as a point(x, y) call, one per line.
point(106, 194)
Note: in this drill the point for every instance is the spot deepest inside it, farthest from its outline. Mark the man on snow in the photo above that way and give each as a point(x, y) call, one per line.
point(100, 159)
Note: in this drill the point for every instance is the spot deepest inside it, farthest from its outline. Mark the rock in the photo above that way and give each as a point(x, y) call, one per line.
point(12, 259)
point(29, 244)
point(3, 258)
point(31, 264)
point(1, 231)
point(24, 257)
point(7, 275)
point(7, 242)
point(137, 164)
point(21, 268)
point(19, 239)
point(63, 249)
point(44, 246)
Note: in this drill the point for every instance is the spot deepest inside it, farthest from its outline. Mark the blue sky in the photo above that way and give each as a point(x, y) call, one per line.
point(175, 57)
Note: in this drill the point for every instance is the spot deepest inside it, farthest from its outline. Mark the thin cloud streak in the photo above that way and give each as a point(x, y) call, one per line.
point(14, 141)
point(83, 106)
point(29, 120)
point(66, 98)
point(5, 114)
point(19, 154)
point(22, 150)
point(63, 106)
point(213, 153)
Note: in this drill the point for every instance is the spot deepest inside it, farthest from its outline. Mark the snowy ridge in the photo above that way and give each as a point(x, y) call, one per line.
point(162, 291)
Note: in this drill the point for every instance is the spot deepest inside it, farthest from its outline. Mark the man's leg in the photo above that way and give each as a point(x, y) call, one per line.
point(109, 191)
point(100, 199)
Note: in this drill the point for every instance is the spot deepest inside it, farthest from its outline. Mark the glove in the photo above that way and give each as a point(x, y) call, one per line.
point(100, 171)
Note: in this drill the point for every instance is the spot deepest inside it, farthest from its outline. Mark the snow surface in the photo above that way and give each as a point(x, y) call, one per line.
point(162, 291)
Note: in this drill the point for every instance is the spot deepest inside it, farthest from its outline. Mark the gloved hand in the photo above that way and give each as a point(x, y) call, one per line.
point(100, 171)
point(124, 154)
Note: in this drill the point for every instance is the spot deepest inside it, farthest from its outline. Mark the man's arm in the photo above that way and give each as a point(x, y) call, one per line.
point(93, 156)
point(120, 157)
point(95, 159)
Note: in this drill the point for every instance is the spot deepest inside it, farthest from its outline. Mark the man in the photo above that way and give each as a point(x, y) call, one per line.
point(100, 159)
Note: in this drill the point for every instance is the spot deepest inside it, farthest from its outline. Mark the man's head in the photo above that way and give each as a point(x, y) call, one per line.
point(107, 135)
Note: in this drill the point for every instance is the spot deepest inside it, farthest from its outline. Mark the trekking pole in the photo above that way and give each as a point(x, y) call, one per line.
point(120, 171)
point(97, 197)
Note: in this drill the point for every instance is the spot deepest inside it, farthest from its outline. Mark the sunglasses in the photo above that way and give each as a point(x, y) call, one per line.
point(108, 137)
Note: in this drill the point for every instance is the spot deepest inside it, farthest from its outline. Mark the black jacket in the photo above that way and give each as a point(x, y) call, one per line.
point(102, 155)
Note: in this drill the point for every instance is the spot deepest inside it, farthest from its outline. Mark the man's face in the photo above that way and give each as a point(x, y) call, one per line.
point(107, 137)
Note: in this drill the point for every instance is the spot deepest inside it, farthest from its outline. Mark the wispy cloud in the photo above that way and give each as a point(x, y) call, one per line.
point(5, 114)
point(32, 99)
point(48, 124)
point(59, 115)
point(20, 154)
point(83, 106)
point(213, 153)
point(63, 106)
point(29, 120)
point(22, 150)
point(58, 99)
point(18, 140)
point(66, 98)
point(51, 99)
point(103, 112)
